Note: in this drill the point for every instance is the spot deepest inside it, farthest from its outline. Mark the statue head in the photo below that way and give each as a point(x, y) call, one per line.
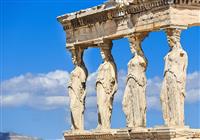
point(173, 37)
point(135, 45)
point(77, 56)
point(106, 53)
point(74, 56)
point(80, 56)
point(105, 49)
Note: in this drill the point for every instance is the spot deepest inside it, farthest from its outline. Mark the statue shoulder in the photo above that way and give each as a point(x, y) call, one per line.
point(105, 66)
point(78, 71)
point(183, 53)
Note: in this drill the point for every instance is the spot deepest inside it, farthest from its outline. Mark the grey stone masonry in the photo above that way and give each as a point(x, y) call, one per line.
point(162, 133)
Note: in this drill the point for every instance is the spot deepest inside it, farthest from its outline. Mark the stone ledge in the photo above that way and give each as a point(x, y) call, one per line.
point(158, 133)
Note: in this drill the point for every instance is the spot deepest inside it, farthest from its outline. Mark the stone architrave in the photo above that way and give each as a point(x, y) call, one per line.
point(134, 100)
point(106, 86)
point(77, 90)
point(173, 87)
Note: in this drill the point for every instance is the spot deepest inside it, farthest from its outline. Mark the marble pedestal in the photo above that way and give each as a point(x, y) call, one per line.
point(158, 133)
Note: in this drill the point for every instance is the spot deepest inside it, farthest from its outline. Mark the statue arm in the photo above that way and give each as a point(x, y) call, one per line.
point(185, 59)
point(186, 63)
point(73, 93)
point(82, 84)
point(166, 65)
point(84, 91)
point(114, 87)
point(114, 80)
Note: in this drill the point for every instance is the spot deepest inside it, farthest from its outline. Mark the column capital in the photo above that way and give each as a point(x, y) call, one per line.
point(175, 27)
point(107, 44)
point(173, 37)
point(72, 47)
point(77, 55)
point(135, 41)
point(137, 36)
point(173, 31)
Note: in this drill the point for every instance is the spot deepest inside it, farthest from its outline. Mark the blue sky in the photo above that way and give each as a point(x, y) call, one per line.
point(35, 68)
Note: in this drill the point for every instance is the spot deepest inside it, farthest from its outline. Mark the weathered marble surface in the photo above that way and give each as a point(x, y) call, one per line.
point(160, 133)
point(76, 90)
point(106, 87)
point(173, 87)
point(118, 18)
point(134, 100)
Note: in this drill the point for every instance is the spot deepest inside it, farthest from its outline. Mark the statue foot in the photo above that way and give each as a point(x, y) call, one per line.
point(98, 128)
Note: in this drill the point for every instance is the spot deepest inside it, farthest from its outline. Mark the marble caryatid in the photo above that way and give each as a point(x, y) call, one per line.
point(134, 100)
point(106, 86)
point(96, 27)
point(173, 87)
point(77, 90)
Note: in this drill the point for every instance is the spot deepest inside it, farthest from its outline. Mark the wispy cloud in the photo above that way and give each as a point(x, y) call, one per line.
point(49, 91)
point(42, 91)
point(193, 87)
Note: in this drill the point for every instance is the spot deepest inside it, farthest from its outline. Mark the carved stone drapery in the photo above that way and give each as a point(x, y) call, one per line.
point(173, 87)
point(134, 101)
point(115, 19)
point(106, 86)
point(76, 89)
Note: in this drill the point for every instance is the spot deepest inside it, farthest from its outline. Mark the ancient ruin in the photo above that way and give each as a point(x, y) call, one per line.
point(134, 101)
point(76, 89)
point(132, 19)
point(106, 87)
point(173, 88)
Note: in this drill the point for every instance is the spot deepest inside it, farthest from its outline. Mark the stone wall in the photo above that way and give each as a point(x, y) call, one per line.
point(97, 27)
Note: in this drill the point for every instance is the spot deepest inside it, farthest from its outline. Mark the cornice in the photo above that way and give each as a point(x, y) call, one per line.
point(102, 13)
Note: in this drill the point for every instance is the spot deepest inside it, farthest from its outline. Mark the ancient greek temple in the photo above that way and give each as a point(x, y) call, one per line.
point(133, 19)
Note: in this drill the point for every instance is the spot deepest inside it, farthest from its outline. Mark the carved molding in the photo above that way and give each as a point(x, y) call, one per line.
point(112, 14)
point(118, 12)
point(138, 133)
point(113, 20)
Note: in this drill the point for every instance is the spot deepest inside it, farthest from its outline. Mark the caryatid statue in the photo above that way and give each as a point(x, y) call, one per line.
point(173, 87)
point(134, 100)
point(106, 86)
point(77, 89)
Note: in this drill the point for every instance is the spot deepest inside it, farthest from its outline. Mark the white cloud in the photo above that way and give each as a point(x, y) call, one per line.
point(49, 91)
point(193, 87)
point(91, 84)
point(18, 99)
point(91, 118)
point(42, 91)
point(153, 102)
point(153, 86)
